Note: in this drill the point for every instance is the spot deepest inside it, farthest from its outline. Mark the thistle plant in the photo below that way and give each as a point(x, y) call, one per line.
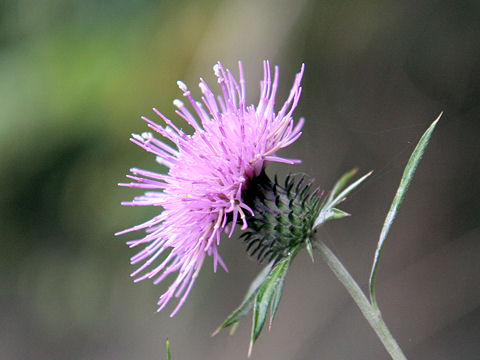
point(217, 180)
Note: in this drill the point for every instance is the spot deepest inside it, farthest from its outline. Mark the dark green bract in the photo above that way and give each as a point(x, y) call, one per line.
point(284, 216)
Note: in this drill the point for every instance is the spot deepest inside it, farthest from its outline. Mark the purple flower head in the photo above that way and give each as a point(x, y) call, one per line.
point(208, 171)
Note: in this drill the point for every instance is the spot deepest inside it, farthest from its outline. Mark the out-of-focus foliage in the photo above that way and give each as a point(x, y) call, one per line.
point(76, 75)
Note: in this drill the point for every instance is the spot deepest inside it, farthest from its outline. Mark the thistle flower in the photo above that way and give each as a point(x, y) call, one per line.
point(209, 171)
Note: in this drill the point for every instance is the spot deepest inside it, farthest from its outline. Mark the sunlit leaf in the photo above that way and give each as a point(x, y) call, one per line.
point(397, 201)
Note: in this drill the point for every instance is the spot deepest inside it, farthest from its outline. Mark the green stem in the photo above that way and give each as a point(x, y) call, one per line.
point(370, 312)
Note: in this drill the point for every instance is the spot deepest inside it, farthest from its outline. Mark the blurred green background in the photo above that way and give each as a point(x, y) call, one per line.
point(75, 76)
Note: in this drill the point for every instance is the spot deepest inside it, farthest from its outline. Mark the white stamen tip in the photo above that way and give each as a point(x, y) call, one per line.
point(216, 70)
point(147, 135)
point(182, 86)
point(178, 103)
point(202, 87)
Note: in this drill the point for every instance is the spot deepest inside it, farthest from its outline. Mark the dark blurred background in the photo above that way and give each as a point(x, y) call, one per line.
point(76, 75)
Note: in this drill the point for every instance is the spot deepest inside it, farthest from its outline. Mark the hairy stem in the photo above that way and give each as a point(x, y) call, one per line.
point(370, 312)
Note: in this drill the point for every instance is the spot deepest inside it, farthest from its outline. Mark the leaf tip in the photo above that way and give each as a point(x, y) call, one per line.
point(233, 329)
point(310, 250)
point(436, 120)
point(169, 354)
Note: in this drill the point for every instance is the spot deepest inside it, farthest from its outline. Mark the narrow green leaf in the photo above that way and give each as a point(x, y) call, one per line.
point(338, 194)
point(309, 248)
point(169, 354)
point(277, 295)
point(349, 189)
point(335, 213)
point(264, 297)
point(260, 309)
point(397, 201)
point(247, 303)
point(340, 184)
